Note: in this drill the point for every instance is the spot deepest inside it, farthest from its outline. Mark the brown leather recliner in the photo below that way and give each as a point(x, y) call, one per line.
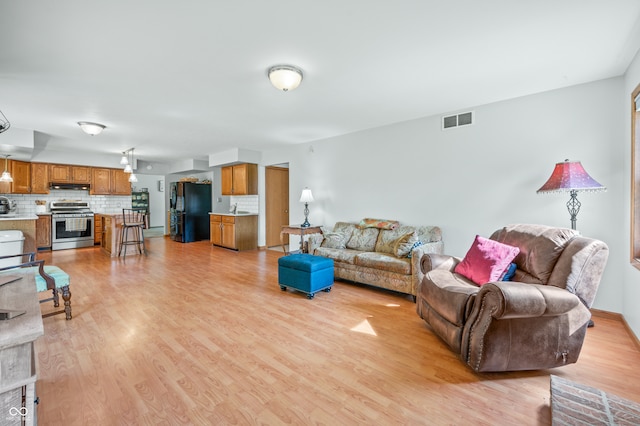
point(538, 320)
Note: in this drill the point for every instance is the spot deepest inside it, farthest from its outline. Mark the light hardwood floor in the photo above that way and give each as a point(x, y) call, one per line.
point(193, 334)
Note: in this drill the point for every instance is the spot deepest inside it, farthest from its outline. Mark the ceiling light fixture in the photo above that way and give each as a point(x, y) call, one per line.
point(124, 160)
point(285, 77)
point(90, 128)
point(4, 123)
point(6, 176)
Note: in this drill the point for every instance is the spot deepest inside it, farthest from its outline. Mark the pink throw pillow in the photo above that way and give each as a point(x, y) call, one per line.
point(486, 260)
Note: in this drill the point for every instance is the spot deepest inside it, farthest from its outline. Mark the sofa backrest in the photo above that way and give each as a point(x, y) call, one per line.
point(540, 247)
point(556, 256)
point(380, 240)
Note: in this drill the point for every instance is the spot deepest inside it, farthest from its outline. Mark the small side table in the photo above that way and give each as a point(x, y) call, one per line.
point(298, 230)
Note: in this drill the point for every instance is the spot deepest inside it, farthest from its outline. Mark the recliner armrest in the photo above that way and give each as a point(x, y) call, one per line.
point(431, 261)
point(509, 299)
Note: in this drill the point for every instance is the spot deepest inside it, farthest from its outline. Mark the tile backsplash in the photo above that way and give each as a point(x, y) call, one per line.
point(26, 203)
point(247, 203)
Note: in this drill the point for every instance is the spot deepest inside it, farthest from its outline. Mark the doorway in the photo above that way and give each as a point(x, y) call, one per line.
point(276, 202)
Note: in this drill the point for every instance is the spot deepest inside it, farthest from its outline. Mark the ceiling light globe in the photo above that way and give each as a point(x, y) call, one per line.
point(285, 77)
point(90, 128)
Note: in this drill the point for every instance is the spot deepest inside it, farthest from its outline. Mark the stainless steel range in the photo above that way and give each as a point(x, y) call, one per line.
point(71, 224)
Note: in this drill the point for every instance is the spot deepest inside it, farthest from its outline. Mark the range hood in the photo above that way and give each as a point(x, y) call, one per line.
point(73, 186)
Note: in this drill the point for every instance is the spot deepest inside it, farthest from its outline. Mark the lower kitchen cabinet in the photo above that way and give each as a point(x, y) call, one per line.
point(43, 231)
point(234, 232)
point(97, 229)
point(107, 234)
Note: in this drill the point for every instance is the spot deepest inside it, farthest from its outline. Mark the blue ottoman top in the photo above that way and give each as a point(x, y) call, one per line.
point(305, 262)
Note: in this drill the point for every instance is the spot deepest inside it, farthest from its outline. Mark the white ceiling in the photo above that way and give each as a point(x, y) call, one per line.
point(183, 79)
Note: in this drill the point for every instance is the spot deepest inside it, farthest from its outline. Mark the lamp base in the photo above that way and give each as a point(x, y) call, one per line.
point(306, 223)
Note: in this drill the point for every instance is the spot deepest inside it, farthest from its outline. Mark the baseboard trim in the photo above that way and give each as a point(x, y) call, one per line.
point(618, 317)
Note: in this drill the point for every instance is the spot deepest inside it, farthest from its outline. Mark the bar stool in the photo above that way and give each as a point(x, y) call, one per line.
point(133, 222)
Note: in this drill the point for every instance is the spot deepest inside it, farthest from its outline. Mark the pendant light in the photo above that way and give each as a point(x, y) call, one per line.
point(132, 176)
point(6, 176)
point(124, 160)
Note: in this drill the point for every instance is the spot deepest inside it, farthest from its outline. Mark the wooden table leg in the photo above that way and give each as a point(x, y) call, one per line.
point(282, 242)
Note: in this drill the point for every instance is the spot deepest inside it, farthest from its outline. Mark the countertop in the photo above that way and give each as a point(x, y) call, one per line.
point(13, 216)
point(234, 214)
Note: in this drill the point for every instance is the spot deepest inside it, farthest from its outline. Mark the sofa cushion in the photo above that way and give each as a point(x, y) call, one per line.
point(363, 239)
point(378, 223)
point(384, 261)
point(486, 261)
point(388, 238)
point(450, 295)
point(338, 255)
point(405, 244)
point(336, 240)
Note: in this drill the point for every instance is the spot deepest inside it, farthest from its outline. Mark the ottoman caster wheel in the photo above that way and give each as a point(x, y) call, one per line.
point(310, 296)
point(327, 289)
point(283, 288)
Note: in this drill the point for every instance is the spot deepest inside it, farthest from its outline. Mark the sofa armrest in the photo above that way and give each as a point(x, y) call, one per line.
point(508, 299)
point(417, 254)
point(520, 326)
point(314, 241)
point(431, 261)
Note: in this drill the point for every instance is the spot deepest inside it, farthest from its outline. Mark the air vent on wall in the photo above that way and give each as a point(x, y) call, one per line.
point(458, 120)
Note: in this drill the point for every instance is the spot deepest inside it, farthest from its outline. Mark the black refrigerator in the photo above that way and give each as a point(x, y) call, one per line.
point(190, 204)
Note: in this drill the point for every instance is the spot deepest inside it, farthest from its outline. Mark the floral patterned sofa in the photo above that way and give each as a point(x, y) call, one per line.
point(378, 252)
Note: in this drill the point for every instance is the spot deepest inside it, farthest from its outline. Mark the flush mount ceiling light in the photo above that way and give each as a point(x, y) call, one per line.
point(285, 77)
point(91, 128)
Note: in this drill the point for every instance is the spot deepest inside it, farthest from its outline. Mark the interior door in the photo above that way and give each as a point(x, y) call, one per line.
point(276, 203)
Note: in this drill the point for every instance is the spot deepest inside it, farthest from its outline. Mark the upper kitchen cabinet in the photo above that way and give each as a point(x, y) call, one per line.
point(64, 173)
point(120, 184)
point(40, 178)
point(241, 179)
point(100, 181)
point(21, 174)
point(109, 182)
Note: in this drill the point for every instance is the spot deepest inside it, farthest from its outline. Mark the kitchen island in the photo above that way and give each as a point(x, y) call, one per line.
point(111, 230)
point(25, 223)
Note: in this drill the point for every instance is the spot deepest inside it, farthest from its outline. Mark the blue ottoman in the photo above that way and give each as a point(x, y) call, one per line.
point(306, 273)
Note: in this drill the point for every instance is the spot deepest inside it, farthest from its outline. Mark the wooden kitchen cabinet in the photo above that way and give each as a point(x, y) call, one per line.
point(215, 229)
point(100, 181)
point(97, 229)
point(40, 178)
point(80, 174)
point(120, 184)
point(234, 232)
point(65, 173)
point(43, 231)
point(109, 182)
point(240, 179)
point(107, 234)
point(21, 174)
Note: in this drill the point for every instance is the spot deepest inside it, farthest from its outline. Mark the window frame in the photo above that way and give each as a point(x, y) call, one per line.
point(635, 181)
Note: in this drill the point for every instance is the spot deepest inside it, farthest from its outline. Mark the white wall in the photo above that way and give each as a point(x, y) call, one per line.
point(476, 179)
point(157, 213)
point(631, 278)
